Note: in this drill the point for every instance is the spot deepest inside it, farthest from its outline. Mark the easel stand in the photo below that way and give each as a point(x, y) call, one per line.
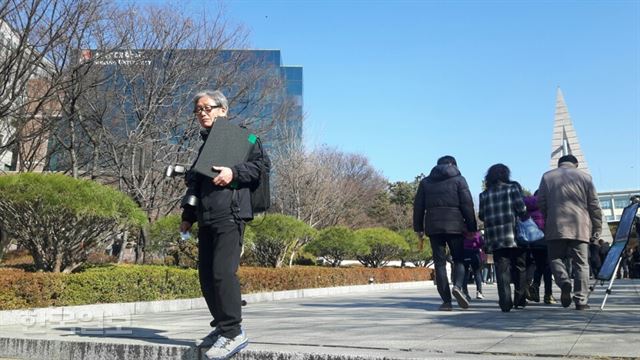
point(608, 291)
point(608, 271)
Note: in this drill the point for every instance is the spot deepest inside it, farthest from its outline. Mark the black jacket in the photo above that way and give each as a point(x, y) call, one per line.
point(443, 204)
point(233, 201)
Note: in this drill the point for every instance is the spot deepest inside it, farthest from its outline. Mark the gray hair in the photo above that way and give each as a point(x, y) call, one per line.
point(216, 96)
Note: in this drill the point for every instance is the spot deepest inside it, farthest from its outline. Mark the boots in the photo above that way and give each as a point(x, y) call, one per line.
point(534, 292)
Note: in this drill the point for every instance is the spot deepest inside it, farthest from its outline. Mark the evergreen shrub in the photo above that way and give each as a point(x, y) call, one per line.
point(129, 283)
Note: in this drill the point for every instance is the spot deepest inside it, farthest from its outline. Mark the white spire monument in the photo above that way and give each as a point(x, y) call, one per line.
point(565, 142)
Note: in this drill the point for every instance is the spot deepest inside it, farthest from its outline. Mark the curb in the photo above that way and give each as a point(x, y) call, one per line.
point(31, 317)
point(58, 349)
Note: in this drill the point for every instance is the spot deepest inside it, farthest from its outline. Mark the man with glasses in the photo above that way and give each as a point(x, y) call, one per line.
point(224, 206)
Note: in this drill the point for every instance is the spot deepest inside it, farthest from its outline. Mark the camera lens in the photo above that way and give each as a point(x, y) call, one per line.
point(189, 200)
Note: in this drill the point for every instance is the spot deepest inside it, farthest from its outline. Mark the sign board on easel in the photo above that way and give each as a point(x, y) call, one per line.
point(612, 261)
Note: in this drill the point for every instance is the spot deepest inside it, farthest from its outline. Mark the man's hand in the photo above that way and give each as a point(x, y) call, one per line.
point(225, 176)
point(185, 226)
point(420, 240)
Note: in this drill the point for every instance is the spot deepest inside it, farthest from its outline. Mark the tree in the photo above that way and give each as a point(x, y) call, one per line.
point(108, 90)
point(379, 246)
point(413, 254)
point(33, 34)
point(60, 220)
point(164, 239)
point(334, 244)
point(324, 187)
point(393, 207)
point(276, 237)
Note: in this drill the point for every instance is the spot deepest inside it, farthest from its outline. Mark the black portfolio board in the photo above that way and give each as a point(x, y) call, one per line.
point(619, 243)
point(226, 145)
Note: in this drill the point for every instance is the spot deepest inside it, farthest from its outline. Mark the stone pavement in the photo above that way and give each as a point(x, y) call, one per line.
point(397, 323)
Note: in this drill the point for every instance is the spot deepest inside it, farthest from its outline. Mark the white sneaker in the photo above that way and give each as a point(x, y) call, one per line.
point(224, 347)
point(479, 295)
point(210, 339)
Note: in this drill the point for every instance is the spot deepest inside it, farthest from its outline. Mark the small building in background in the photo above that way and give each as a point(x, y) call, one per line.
point(613, 202)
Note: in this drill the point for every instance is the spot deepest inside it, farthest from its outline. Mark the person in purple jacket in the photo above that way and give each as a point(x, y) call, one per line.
point(538, 251)
point(473, 263)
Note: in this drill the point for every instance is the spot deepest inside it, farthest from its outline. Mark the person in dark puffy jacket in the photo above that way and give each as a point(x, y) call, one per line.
point(443, 209)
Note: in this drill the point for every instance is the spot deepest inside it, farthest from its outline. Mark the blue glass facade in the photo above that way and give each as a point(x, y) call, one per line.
point(293, 80)
point(259, 87)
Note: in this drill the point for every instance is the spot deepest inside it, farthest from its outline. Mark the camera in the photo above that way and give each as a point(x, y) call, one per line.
point(190, 198)
point(175, 170)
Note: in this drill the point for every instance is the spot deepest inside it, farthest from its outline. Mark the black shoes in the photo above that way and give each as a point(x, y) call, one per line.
point(520, 305)
point(565, 296)
point(462, 300)
point(446, 307)
point(506, 305)
point(583, 307)
point(534, 293)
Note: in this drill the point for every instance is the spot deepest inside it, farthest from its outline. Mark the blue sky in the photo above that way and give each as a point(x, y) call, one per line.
point(405, 82)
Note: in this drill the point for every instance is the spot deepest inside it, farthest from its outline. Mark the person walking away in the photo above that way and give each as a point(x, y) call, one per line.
point(443, 209)
point(594, 258)
point(490, 277)
point(572, 215)
point(635, 263)
point(625, 261)
point(501, 205)
point(473, 263)
point(538, 251)
point(604, 249)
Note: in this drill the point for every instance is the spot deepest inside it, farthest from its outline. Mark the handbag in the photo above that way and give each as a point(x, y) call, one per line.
point(528, 232)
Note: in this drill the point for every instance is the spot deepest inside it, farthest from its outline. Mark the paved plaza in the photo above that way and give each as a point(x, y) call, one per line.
point(396, 323)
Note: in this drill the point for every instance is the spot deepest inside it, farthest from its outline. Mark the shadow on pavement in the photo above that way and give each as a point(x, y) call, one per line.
point(137, 333)
point(486, 315)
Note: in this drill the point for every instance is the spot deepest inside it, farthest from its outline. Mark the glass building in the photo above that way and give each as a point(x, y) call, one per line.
point(265, 95)
point(613, 202)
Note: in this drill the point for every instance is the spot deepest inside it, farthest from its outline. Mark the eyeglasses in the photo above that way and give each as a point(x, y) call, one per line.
point(207, 109)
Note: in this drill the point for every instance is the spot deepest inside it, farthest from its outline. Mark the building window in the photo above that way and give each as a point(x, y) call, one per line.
point(621, 202)
point(605, 204)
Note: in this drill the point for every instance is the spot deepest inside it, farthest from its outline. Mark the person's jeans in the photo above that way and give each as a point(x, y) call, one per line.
point(577, 254)
point(439, 243)
point(504, 260)
point(490, 277)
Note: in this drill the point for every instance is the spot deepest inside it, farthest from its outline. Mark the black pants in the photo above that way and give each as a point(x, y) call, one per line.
point(219, 247)
point(543, 270)
point(505, 260)
point(439, 245)
point(472, 265)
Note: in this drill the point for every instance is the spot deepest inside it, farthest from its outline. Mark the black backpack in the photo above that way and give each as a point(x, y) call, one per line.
point(260, 191)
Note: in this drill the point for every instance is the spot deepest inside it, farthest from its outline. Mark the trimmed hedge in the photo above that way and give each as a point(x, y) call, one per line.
point(128, 283)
